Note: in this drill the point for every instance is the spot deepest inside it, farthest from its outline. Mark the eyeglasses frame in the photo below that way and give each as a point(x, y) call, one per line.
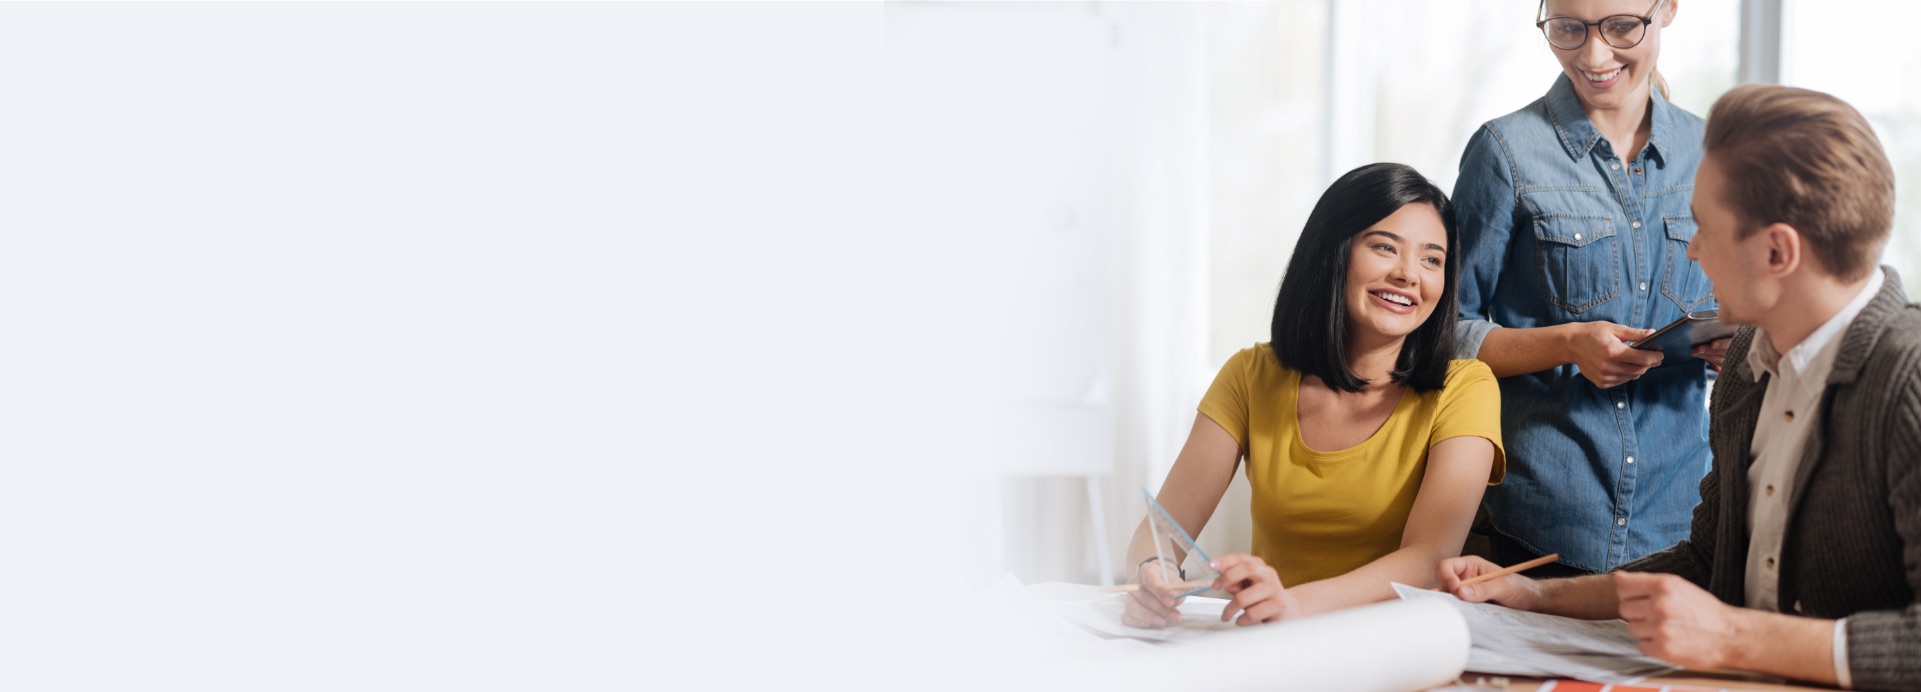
point(1590, 28)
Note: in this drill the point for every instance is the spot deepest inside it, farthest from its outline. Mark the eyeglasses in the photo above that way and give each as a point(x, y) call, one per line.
point(1620, 31)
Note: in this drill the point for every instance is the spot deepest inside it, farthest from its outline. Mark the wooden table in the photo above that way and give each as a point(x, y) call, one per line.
point(1685, 681)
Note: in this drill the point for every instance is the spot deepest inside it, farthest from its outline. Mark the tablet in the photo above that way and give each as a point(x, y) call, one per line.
point(1680, 336)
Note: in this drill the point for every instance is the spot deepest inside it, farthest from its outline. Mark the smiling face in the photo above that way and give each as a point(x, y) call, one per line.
point(1396, 273)
point(1606, 77)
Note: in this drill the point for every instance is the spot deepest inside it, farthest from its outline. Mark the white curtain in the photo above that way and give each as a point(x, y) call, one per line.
point(1160, 156)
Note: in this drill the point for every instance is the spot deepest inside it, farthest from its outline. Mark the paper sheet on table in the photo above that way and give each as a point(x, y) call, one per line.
point(1398, 645)
point(1027, 624)
point(1386, 646)
point(1514, 642)
point(1100, 612)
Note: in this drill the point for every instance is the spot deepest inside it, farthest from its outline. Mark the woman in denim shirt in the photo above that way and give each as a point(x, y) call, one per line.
point(1575, 223)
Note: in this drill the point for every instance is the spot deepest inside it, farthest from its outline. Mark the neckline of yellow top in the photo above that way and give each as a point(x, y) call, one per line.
point(1299, 441)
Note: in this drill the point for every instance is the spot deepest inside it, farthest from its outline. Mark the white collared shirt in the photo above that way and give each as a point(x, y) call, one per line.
point(1789, 413)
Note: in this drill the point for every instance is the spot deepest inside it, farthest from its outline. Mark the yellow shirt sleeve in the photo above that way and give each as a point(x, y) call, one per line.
point(1226, 401)
point(1471, 407)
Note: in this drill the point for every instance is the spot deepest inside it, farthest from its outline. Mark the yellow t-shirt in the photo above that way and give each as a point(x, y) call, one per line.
point(1320, 514)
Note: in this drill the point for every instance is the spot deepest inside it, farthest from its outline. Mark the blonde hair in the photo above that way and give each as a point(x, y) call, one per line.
point(1660, 82)
point(1808, 160)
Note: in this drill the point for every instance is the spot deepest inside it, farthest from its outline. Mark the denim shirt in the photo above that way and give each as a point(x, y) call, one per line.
point(1557, 227)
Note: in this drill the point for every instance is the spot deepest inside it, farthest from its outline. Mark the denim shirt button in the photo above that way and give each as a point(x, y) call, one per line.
point(1620, 404)
point(1623, 521)
point(1630, 460)
point(1615, 166)
point(1635, 224)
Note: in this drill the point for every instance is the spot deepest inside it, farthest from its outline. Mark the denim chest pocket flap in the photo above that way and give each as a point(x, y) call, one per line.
point(1682, 280)
point(1576, 231)
point(1681, 228)
point(1579, 260)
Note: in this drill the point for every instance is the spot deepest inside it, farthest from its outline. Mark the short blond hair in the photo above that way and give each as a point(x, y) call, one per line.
point(1811, 161)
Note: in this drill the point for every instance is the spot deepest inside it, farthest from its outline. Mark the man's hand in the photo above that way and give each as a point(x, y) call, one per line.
point(1714, 351)
point(1513, 591)
point(1677, 621)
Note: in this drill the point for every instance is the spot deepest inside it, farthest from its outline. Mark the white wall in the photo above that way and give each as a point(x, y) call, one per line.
point(436, 346)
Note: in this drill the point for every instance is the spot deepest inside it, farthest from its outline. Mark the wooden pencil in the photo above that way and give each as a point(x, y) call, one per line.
point(1530, 564)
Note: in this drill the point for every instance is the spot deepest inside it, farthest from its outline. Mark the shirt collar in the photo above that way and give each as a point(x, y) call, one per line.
point(1578, 134)
point(1811, 359)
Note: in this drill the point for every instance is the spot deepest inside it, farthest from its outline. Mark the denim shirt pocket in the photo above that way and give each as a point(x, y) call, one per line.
point(1579, 260)
point(1681, 278)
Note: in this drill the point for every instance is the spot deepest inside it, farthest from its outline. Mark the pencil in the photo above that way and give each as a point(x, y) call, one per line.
point(1177, 586)
point(1530, 564)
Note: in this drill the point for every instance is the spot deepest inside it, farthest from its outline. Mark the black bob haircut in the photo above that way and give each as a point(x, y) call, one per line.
point(1310, 332)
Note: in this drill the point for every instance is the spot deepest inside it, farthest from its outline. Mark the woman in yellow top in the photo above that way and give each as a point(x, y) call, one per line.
point(1367, 447)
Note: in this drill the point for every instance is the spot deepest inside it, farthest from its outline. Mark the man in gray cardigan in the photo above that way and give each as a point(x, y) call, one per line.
point(1804, 559)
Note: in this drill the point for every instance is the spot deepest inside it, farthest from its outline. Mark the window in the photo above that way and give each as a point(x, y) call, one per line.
point(1458, 65)
point(1864, 56)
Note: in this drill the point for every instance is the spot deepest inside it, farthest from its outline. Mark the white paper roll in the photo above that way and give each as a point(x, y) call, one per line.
point(1396, 646)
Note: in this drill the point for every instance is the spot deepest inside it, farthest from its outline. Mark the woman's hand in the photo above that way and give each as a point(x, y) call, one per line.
point(1153, 605)
point(1258, 594)
point(1714, 351)
point(1601, 351)
point(1513, 591)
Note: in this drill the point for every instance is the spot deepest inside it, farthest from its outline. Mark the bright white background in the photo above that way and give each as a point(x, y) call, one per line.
point(442, 346)
point(598, 346)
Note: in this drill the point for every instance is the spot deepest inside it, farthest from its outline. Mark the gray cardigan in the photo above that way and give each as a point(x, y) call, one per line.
point(1853, 542)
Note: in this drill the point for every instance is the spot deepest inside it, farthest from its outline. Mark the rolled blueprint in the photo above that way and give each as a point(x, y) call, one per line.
point(1399, 645)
